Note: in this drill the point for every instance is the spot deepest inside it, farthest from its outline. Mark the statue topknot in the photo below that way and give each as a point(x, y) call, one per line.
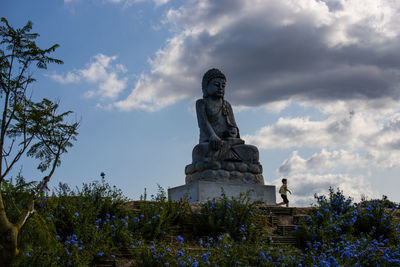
point(208, 76)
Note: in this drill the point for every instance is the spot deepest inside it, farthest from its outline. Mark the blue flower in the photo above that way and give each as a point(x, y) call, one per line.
point(76, 214)
point(180, 239)
point(100, 254)
point(195, 264)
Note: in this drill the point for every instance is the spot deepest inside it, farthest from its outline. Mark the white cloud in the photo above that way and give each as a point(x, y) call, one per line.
point(275, 51)
point(322, 162)
point(69, 78)
point(323, 170)
point(305, 185)
point(131, 2)
point(100, 71)
point(366, 130)
point(160, 2)
point(126, 2)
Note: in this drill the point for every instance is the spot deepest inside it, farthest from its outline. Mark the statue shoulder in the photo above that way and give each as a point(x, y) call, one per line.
point(228, 105)
point(200, 103)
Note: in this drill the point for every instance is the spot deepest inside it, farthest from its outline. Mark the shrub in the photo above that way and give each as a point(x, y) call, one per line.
point(339, 232)
point(159, 217)
point(236, 216)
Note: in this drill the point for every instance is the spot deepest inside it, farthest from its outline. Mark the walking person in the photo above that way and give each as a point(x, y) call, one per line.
point(283, 193)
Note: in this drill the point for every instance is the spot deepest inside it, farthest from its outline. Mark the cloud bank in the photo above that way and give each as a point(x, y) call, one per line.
point(102, 72)
point(275, 50)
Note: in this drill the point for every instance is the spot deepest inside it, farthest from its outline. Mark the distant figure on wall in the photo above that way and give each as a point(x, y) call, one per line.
point(283, 193)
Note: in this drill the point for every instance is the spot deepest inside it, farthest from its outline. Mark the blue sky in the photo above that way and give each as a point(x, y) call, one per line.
point(314, 84)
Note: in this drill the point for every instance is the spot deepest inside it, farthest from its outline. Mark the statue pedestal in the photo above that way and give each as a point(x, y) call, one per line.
point(201, 191)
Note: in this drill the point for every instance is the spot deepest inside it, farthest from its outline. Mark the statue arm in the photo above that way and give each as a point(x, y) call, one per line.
point(231, 118)
point(205, 125)
point(202, 120)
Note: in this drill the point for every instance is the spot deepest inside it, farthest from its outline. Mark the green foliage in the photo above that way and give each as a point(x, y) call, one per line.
point(236, 216)
point(77, 227)
point(159, 217)
point(34, 129)
point(39, 233)
point(375, 221)
point(221, 251)
point(340, 232)
point(70, 228)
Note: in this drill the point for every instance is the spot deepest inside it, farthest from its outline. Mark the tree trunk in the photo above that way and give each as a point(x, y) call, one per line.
point(8, 241)
point(8, 237)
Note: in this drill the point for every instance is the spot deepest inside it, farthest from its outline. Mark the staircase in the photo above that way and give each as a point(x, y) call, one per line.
point(283, 222)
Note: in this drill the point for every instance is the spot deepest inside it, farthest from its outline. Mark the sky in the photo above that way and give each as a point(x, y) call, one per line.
point(314, 84)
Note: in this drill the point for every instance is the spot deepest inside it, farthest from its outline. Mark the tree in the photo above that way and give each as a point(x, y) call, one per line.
point(34, 129)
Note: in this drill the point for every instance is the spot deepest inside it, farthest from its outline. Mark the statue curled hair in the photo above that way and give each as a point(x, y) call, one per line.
point(208, 76)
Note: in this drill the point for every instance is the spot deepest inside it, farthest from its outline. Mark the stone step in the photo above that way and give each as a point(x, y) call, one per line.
point(104, 263)
point(273, 220)
point(126, 252)
point(286, 230)
point(283, 240)
point(281, 210)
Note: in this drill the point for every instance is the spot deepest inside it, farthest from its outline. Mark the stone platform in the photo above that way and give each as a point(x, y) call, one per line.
point(201, 191)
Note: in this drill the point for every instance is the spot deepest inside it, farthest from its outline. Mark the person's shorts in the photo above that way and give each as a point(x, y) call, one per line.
point(284, 197)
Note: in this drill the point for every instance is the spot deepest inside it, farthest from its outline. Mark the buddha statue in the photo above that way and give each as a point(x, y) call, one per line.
point(221, 154)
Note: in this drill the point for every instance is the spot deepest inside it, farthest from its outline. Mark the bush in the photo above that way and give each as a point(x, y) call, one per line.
point(77, 227)
point(159, 217)
point(236, 216)
point(340, 232)
point(72, 226)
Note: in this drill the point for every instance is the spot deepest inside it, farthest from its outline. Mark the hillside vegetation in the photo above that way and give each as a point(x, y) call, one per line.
point(95, 225)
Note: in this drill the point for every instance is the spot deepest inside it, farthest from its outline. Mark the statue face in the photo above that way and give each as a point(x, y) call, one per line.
point(216, 87)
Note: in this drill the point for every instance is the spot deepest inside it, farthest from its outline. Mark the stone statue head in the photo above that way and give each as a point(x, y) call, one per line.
point(208, 76)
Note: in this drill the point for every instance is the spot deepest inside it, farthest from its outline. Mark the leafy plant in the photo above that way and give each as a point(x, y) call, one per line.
point(34, 129)
point(236, 216)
